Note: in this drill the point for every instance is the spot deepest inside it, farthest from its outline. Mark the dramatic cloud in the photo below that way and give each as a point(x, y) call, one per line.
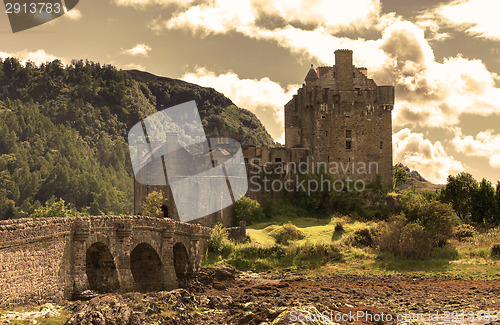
point(146, 3)
point(418, 153)
point(476, 17)
point(263, 97)
point(486, 145)
point(139, 49)
point(431, 93)
point(37, 57)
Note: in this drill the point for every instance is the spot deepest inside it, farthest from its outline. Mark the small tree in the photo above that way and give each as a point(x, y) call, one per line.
point(484, 205)
point(399, 175)
point(248, 210)
point(152, 204)
point(54, 208)
point(459, 191)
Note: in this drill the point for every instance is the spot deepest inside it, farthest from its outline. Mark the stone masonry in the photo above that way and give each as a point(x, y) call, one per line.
point(51, 259)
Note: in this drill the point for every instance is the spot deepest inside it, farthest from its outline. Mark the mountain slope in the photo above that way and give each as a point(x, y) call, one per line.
point(63, 131)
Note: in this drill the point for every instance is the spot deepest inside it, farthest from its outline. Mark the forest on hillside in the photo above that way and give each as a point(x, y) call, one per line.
point(63, 131)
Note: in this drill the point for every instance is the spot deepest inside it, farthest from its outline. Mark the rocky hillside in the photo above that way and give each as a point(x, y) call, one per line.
point(414, 178)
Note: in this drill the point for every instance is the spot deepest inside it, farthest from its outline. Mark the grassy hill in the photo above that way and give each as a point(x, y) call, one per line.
point(63, 131)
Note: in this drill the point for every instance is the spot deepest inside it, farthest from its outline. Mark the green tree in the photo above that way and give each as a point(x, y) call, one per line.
point(399, 175)
point(152, 204)
point(248, 210)
point(459, 191)
point(484, 205)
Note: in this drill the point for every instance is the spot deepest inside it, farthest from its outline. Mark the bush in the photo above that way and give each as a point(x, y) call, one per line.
point(152, 204)
point(464, 231)
point(218, 239)
point(57, 209)
point(319, 250)
point(495, 251)
point(403, 238)
point(339, 227)
point(437, 218)
point(284, 234)
point(248, 210)
point(361, 238)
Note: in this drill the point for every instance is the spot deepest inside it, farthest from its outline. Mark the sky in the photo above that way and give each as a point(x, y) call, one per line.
point(442, 56)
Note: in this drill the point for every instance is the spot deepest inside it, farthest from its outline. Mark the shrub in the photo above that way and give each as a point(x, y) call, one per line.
point(57, 209)
point(318, 250)
point(152, 204)
point(495, 251)
point(339, 227)
point(361, 238)
point(218, 239)
point(464, 231)
point(403, 238)
point(286, 233)
point(248, 210)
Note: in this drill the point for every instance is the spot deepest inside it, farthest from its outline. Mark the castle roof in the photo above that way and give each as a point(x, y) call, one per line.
point(311, 75)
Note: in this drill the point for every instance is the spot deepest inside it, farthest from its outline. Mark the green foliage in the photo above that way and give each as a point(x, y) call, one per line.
point(464, 231)
point(435, 217)
point(286, 233)
point(364, 237)
point(57, 209)
point(459, 191)
point(484, 204)
point(63, 131)
point(152, 204)
point(248, 210)
point(399, 175)
point(218, 239)
point(495, 251)
point(403, 238)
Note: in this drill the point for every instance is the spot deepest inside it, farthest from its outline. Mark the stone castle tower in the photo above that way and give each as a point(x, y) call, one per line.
point(342, 116)
point(338, 117)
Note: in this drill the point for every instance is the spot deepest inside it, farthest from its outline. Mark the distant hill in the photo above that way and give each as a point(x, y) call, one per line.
point(414, 178)
point(63, 131)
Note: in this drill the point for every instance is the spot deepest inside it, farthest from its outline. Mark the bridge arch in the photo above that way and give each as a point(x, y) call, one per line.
point(147, 268)
point(181, 260)
point(101, 269)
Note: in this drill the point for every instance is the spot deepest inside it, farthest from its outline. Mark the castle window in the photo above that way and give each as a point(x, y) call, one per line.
point(348, 144)
point(326, 133)
point(348, 134)
point(277, 160)
point(358, 90)
point(323, 107)
point(246, 160)
point(348, 116)
point(323, 116)
point(381, 145)
point(354, 74)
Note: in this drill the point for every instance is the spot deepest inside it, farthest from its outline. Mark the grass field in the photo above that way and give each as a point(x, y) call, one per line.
point(459, 259)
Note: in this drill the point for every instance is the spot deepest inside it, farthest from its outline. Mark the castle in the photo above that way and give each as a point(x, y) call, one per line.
point(339, 118)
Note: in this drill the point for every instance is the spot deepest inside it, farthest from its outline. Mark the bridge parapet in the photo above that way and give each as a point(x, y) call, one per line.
point(50, 259)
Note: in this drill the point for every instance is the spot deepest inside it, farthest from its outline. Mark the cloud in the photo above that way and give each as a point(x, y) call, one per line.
point(134, 66)
point(485, 144)
point(475, 17)
point(263, 97)
point(430, 159)
point(139, 49)
point(431, 93)
point(37, 57)
point(145, 3)
point(73, 14)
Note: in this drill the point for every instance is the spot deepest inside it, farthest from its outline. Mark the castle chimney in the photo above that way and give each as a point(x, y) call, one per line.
point(364, 71)
point(344, 70)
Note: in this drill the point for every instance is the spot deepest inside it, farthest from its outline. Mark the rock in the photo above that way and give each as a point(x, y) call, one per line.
point(224, 273)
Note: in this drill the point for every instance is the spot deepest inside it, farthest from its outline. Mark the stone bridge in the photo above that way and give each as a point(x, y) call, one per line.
point(51, 259)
